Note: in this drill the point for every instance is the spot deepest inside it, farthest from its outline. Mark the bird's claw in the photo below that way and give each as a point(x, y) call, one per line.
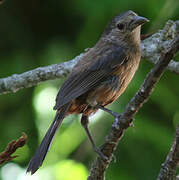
point(116, 116)
point(101, 155)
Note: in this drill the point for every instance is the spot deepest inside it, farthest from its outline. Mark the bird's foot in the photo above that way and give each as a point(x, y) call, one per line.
point(101, 155)
point(114, 114)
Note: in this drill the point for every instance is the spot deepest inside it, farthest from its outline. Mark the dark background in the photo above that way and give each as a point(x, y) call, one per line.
point(39, 33)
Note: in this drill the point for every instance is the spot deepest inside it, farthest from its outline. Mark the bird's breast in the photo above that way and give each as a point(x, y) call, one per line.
point(108, 90)
point(115, 84)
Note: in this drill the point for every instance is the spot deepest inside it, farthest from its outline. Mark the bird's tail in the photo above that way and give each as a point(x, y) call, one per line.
point(42, 150)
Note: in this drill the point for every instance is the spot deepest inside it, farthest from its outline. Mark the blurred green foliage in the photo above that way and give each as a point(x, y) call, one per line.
point(38, 33)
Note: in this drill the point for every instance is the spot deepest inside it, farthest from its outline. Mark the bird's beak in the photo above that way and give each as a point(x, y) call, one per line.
point(137, 21)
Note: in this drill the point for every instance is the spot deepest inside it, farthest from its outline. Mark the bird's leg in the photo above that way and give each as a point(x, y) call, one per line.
point(116, 115)
point(84, 122)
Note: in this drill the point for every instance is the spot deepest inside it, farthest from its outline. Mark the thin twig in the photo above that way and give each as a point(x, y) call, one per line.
point(99, 167)
point(151, 50)
point(168, 169)
point(6, 155)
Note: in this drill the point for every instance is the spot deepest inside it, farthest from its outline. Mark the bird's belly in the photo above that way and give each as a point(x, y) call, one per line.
point(106, 92)
point(111, 90)
point(103, 95)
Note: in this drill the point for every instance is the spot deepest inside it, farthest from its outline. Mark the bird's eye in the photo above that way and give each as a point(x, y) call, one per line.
point(120, 26)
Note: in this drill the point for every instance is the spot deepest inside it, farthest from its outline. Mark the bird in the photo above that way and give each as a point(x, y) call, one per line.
point(98, 79)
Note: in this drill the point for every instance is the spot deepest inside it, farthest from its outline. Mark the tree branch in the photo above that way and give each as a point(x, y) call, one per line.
point(155, 44)
point(151, 50)
point(99, 167)
point(6, 155)
point(168, 169)
point(31, 78)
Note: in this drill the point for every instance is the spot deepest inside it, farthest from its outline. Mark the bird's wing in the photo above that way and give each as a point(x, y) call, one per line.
point(80, 82)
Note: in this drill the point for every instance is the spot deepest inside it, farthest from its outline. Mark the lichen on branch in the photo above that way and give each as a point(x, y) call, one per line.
point(152, 47)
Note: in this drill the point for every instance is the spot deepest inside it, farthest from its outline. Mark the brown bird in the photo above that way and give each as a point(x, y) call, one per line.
point(98, 79)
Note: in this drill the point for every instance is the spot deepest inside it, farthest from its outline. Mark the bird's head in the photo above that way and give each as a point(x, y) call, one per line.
point(125, 25)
